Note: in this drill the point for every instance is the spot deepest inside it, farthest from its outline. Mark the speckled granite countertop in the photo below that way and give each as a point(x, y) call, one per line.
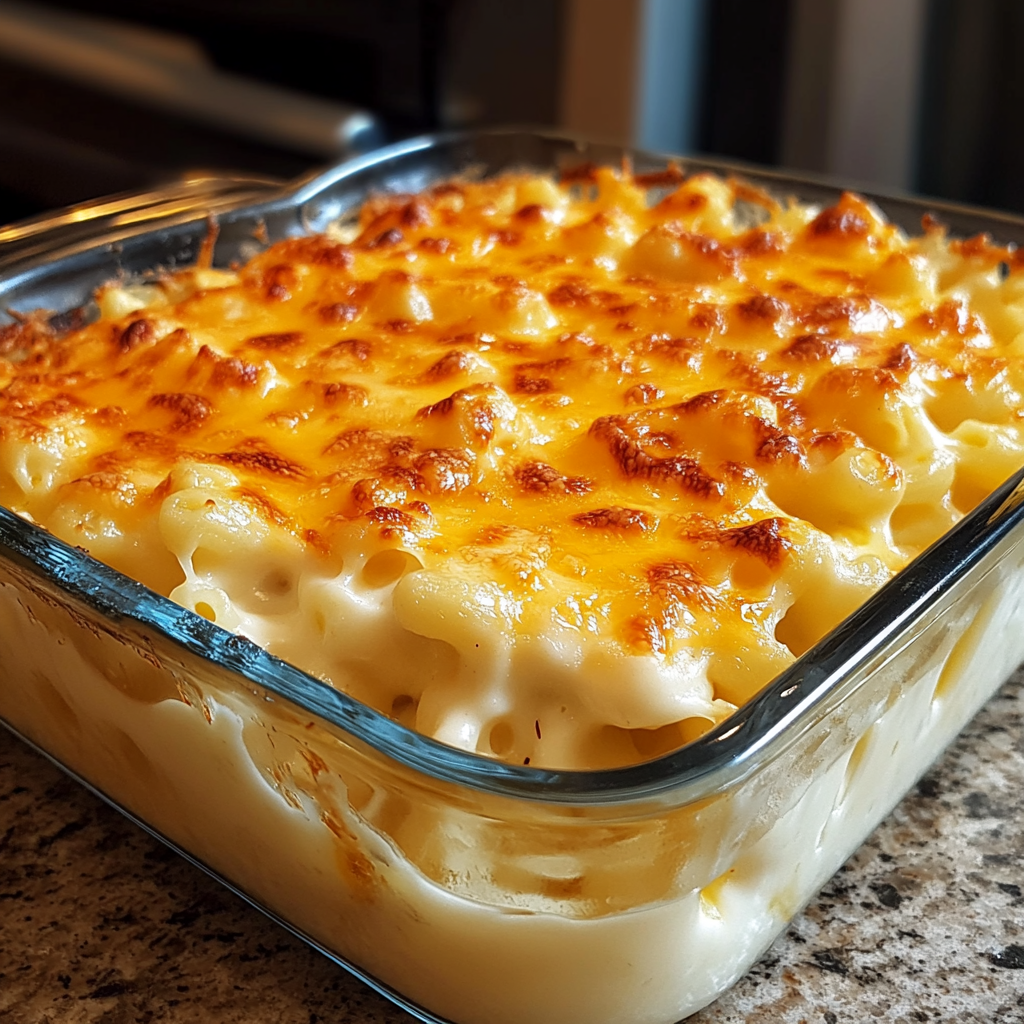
point(100, 923)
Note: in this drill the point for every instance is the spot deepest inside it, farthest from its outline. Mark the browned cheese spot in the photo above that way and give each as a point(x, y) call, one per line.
point(473, 405)
point(901, 359)
point(275, 342)
point(670, 175)
point(338, 313)
point(775, 386)
point(388, 515)
point(840, 221)
point(678, 583)
point(480, 340)
point(444, 470)
point(525, 384)
point(812, 348)
point(532, 379)
point(616, 517)
point(416, 214)
point(114, 484)
point(260, 459)
point(350, 351)
point(771, 444)
point(832, 443)
point(629, 307)
point(394, 523)
point(569, 294)
point(49, 409)
point(532, 213)
point(774, 444)
point(645, 633)
point(686, 352)
point(340, 393)
point(704, 401)
point(951, 317)
point(144, 442)
point(449, 365)
point(577, 293)
point(540, 478)
point(757, 243)
point(224, 372)
point(138, 332)
point(708, 318)
point(440, 246)
point(835, 310)
point(636, 463)
point(764, 308)
point(385, 239)
point(316, 249)
point(766, 540)
point(263, 506)
point(26, 336)
point(191, 410)
point(280, 281)
point(364, 449)
point(643, 394)
point(706, 246)
point(861, 381)
point(111, 416)
point(505, 237)
point(369, 493)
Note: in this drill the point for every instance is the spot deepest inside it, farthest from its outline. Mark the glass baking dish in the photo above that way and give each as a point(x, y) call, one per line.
point(464, 889)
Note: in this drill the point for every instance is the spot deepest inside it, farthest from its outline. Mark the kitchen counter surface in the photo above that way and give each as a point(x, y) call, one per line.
point(100, 923)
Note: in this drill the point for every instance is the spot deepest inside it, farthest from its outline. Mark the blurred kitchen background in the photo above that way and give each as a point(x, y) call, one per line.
point(101, 96)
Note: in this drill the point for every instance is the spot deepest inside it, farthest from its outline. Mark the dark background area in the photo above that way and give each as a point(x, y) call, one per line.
point(420, 65)
point(971, 142)
point(743, 91)
point(384, 55)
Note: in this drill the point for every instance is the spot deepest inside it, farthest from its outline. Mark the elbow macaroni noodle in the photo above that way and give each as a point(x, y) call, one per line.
point(545, 469)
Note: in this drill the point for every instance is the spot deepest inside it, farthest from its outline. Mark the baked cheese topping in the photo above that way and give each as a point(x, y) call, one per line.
point(548, 470)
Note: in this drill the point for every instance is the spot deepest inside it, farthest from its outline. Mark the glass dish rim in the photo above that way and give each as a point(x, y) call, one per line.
point(768, 723)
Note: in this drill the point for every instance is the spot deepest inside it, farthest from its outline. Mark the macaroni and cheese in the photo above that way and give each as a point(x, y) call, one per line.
point(539, 468)
point(558, 471)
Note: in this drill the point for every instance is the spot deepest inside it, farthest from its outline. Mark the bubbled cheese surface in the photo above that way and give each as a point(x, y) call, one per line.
point(546, 470)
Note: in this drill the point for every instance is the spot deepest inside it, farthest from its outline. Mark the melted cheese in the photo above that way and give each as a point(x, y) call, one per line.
point(542, 469)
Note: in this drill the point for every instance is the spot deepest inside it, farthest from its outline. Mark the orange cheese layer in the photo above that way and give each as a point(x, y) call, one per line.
point(696, 430)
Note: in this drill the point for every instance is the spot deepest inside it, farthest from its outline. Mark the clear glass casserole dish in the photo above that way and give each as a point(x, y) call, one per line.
point(465, 889)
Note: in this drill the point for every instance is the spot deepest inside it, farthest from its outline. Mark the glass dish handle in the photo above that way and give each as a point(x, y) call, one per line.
point(199, 193)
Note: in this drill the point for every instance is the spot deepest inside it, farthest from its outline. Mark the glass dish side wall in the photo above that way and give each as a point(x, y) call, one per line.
point(477, 906)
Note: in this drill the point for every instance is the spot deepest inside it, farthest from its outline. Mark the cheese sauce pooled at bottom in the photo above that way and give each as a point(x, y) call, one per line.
point(546, 470)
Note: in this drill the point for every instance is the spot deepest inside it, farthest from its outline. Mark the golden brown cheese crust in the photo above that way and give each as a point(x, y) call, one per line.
point(662, 425)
